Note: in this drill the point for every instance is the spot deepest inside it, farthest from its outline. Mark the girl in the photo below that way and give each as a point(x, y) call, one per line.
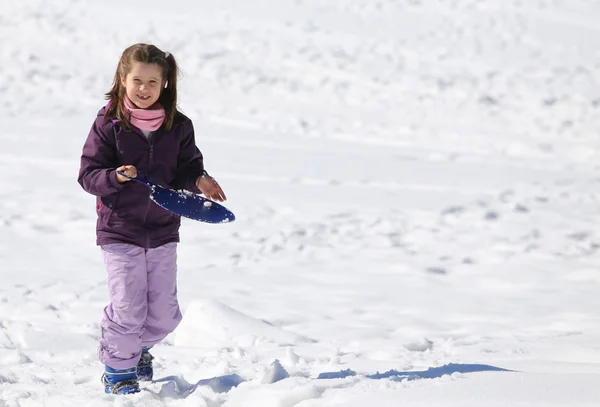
point(140, 128)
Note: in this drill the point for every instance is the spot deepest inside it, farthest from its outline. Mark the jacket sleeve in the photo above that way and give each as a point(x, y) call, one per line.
point(190, 163)
point(97, 173)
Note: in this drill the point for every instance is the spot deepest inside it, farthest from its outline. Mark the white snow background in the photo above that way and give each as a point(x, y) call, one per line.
point(416, 185)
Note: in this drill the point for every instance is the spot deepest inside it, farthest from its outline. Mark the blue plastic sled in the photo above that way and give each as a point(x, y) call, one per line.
point(184, 203)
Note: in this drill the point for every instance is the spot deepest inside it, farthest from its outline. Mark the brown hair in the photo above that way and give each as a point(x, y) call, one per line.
point(148, 54)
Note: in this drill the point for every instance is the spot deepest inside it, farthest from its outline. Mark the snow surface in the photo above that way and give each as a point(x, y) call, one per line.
point(416, 186)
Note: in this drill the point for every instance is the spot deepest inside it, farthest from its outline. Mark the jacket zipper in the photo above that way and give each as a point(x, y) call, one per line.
point(145, 216)
point(151, 149)
point(149, 201)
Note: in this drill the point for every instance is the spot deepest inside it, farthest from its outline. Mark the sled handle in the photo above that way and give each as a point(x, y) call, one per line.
point(141, 178)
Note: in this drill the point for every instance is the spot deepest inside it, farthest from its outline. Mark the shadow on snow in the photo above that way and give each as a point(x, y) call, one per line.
point(431, 373)
point(177, 387)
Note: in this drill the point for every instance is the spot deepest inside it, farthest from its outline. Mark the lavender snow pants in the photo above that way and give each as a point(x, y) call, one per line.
point(143, 305)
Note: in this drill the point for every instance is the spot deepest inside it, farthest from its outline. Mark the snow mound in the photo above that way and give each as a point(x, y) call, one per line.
point(208, 322)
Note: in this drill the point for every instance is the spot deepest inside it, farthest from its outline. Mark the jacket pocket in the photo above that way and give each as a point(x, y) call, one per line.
point(105, 209)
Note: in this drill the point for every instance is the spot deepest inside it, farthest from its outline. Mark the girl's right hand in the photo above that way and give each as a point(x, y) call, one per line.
point(128, 170)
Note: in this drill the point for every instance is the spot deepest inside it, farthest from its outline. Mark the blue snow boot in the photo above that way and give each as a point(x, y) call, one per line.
point(144, 367)
point(120, 381)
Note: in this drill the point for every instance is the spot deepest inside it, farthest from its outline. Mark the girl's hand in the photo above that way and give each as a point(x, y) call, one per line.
point(210, 188)
point(128, 170)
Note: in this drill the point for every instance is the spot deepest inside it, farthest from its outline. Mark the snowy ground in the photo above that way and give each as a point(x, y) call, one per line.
point(416, 185)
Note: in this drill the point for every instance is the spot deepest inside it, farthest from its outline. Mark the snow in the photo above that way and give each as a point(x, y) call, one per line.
point(415, 187)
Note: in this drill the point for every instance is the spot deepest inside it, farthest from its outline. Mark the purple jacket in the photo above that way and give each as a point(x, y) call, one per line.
point(125, 212)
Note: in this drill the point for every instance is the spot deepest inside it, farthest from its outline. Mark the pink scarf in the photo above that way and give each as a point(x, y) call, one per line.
point(145, 119)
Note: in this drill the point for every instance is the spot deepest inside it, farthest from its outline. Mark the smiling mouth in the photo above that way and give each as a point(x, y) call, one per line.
point(143, 97)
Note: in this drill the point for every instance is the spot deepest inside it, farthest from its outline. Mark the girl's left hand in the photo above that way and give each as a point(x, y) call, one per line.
point(210, 188)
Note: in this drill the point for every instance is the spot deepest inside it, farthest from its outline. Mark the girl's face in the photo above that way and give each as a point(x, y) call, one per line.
point(143, 84)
